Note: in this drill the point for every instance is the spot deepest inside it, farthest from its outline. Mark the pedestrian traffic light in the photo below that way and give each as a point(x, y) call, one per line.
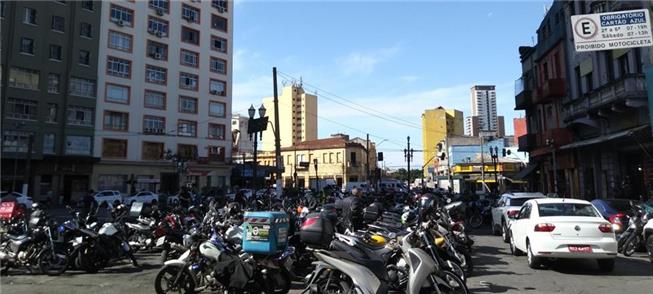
point(504, 152)
point(379, 156)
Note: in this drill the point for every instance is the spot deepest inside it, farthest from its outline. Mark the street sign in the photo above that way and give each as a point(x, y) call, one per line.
point(612, 30)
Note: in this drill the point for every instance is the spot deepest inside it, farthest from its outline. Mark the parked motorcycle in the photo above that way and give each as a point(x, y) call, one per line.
point(631, 239)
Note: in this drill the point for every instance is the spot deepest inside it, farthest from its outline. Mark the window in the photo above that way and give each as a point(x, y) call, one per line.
point(152, 151)
point(48, 143)
point(160, 5)
point(187, 104)
point(84, 57)
point(219, 23)
point(624, 66)
point(189, 58)
point(352, 157)
point(52, 113)
point(186, 128)
point(217, 109)
point(55, 52)
point(156, 75)
point(219, 44)
point(118, 67)
point(589, 82)
point(187, 151)
point(88, 5)
point(117, 94)
point(116, 121)
point(21, 109)
point(2, 9)
point(218, 87)
point(154, 99)
point(79, 116)
point(29, 16)
point(216, 131)
point(567, 209)
point(218, 65)
point(15, 141)
point(122, 16)
point(114, 148)
point(53, 83)
point(190, 13)
point(188, 81)
point(189, 35)
point(220, 5)
point(154, 125)
point(216, 153)
point(157, 50)
point(120, 41)
point(86, 30)
point(23, 78)
point(78, 145)
point(157, 27)
point(338, 157)
point(27, 45)
point(58, 23)
point(82, 87)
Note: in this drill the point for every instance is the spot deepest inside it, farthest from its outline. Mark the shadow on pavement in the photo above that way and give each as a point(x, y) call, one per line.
point(492, 288)
point(624, 267)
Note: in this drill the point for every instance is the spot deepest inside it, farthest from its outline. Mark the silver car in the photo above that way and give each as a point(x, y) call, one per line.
point(509, 203)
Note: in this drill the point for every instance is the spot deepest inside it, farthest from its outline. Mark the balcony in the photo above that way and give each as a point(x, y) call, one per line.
point(560, 136)
point(523, 94)
point(527, 142)
point(550, 89)
point(632, 86)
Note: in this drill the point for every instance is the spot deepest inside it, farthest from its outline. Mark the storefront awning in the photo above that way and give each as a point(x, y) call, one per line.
point(603, 138)
point(525, 172)
point(486, 181)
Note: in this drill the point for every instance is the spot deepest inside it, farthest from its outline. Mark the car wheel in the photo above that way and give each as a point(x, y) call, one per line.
point(649, 247)
point(495, 230)
point(534, 262)
point(513, 249)
point(606, 265)
point(505, 234)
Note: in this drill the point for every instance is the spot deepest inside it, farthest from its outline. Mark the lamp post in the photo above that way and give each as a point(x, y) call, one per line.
point(551, 143)
point(317, 180)
point(180, 164)
point(255, 128)
point(494, 153)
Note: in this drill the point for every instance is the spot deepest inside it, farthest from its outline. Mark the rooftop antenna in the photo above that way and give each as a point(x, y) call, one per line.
point(533, 40)
point(301, 82)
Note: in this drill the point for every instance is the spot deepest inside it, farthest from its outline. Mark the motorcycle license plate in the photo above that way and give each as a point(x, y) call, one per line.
point(580, 248)
point(160, 241)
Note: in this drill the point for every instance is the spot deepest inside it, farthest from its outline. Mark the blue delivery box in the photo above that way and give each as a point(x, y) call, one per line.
point(265, 232)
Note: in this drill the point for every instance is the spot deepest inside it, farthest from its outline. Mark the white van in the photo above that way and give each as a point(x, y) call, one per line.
point(360, 185)
point(394, 185)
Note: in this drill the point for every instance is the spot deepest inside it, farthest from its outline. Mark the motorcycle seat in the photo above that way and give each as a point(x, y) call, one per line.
point(138, 226)
point(374, 263)
point(16, 238)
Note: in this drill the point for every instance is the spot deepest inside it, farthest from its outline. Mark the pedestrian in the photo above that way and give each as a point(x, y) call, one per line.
point(184, 198)
point(352, 210)
point(240, 198)
point(88, 204)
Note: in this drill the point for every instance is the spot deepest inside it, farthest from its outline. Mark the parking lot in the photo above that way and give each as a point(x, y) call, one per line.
point(496, 271)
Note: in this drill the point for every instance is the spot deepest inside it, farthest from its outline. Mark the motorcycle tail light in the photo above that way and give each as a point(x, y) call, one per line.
point(309, 222)
point(457, 227)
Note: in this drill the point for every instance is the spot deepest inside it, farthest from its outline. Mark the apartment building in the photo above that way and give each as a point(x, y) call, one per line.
point(164, 95)
point(49, 94)
point(437, 125)
point(484, 106)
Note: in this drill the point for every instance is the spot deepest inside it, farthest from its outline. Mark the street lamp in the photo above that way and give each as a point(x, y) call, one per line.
point(494, 153)
point(317, 180)
point(551, 143)
point(255, 129)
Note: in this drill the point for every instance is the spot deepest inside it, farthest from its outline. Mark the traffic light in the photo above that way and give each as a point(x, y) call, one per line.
point(379, 156)
point(504, 152)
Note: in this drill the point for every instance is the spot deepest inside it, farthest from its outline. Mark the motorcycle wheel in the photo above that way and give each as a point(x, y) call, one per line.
point(165, 281)
point(456, 269)
point(52, 264)
point(448, 283)
point(631, 246)
point(475, 221)
point(468, 264)
point(88, 260)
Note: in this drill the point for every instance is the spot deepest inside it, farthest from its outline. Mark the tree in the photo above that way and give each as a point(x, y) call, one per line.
point(402, 175)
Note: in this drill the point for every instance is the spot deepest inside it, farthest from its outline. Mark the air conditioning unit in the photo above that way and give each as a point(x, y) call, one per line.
point(157, 56)
point(159, 11)
point(159, 34)
point(215, 92)
point(120, 23)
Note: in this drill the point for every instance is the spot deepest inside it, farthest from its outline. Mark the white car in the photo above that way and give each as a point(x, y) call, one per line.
point(108, 196)
point(509, 204)
point(21, 199)
point(562, 228)
point(143, 196)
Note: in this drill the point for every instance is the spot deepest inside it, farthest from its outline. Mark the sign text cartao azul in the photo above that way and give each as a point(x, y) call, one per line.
point(612, 30)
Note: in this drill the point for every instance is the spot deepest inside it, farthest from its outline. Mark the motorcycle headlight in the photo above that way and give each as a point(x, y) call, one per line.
point(61, 229)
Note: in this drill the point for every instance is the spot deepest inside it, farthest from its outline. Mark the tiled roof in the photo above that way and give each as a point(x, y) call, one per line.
point(328, 143)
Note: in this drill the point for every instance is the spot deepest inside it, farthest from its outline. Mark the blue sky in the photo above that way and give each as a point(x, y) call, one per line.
point(386, 57)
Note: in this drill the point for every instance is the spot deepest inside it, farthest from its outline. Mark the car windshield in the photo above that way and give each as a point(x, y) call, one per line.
point(520, 201)
point(566, 209)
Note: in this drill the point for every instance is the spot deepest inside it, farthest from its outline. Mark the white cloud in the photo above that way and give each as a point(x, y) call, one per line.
point(365, 62)
point(250, 91)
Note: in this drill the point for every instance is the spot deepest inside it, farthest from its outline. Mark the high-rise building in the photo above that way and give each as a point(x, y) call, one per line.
point(501, 127)
point(49, 77)
point(297, 117)
point(471, 126)
point(164, 84)
point(437, 125)
point(484, 105)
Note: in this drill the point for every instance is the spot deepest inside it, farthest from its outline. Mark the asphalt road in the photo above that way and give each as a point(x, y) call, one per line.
point(496, 271)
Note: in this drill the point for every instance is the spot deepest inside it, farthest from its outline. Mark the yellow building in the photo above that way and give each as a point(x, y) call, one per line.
point(338, 158)
point(437, 124)
point(297, 117)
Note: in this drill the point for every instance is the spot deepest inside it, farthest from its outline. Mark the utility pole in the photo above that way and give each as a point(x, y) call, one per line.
point(551, 143)
point(408, 155)
point(482, 164)
point(367, 152)
point(277, 138)
point(28, 169)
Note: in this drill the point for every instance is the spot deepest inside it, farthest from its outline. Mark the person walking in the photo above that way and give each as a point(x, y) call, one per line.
point(352, 210)
point(185, 198)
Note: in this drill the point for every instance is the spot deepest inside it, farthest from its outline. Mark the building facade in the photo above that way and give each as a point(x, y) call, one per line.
point(164, 95)
point(297, 118)
point(49, 95)
point(471, 126)
point(484, 106)
point(242, 144)
point(519, 129)
point(437, 125)
point(588, 107)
